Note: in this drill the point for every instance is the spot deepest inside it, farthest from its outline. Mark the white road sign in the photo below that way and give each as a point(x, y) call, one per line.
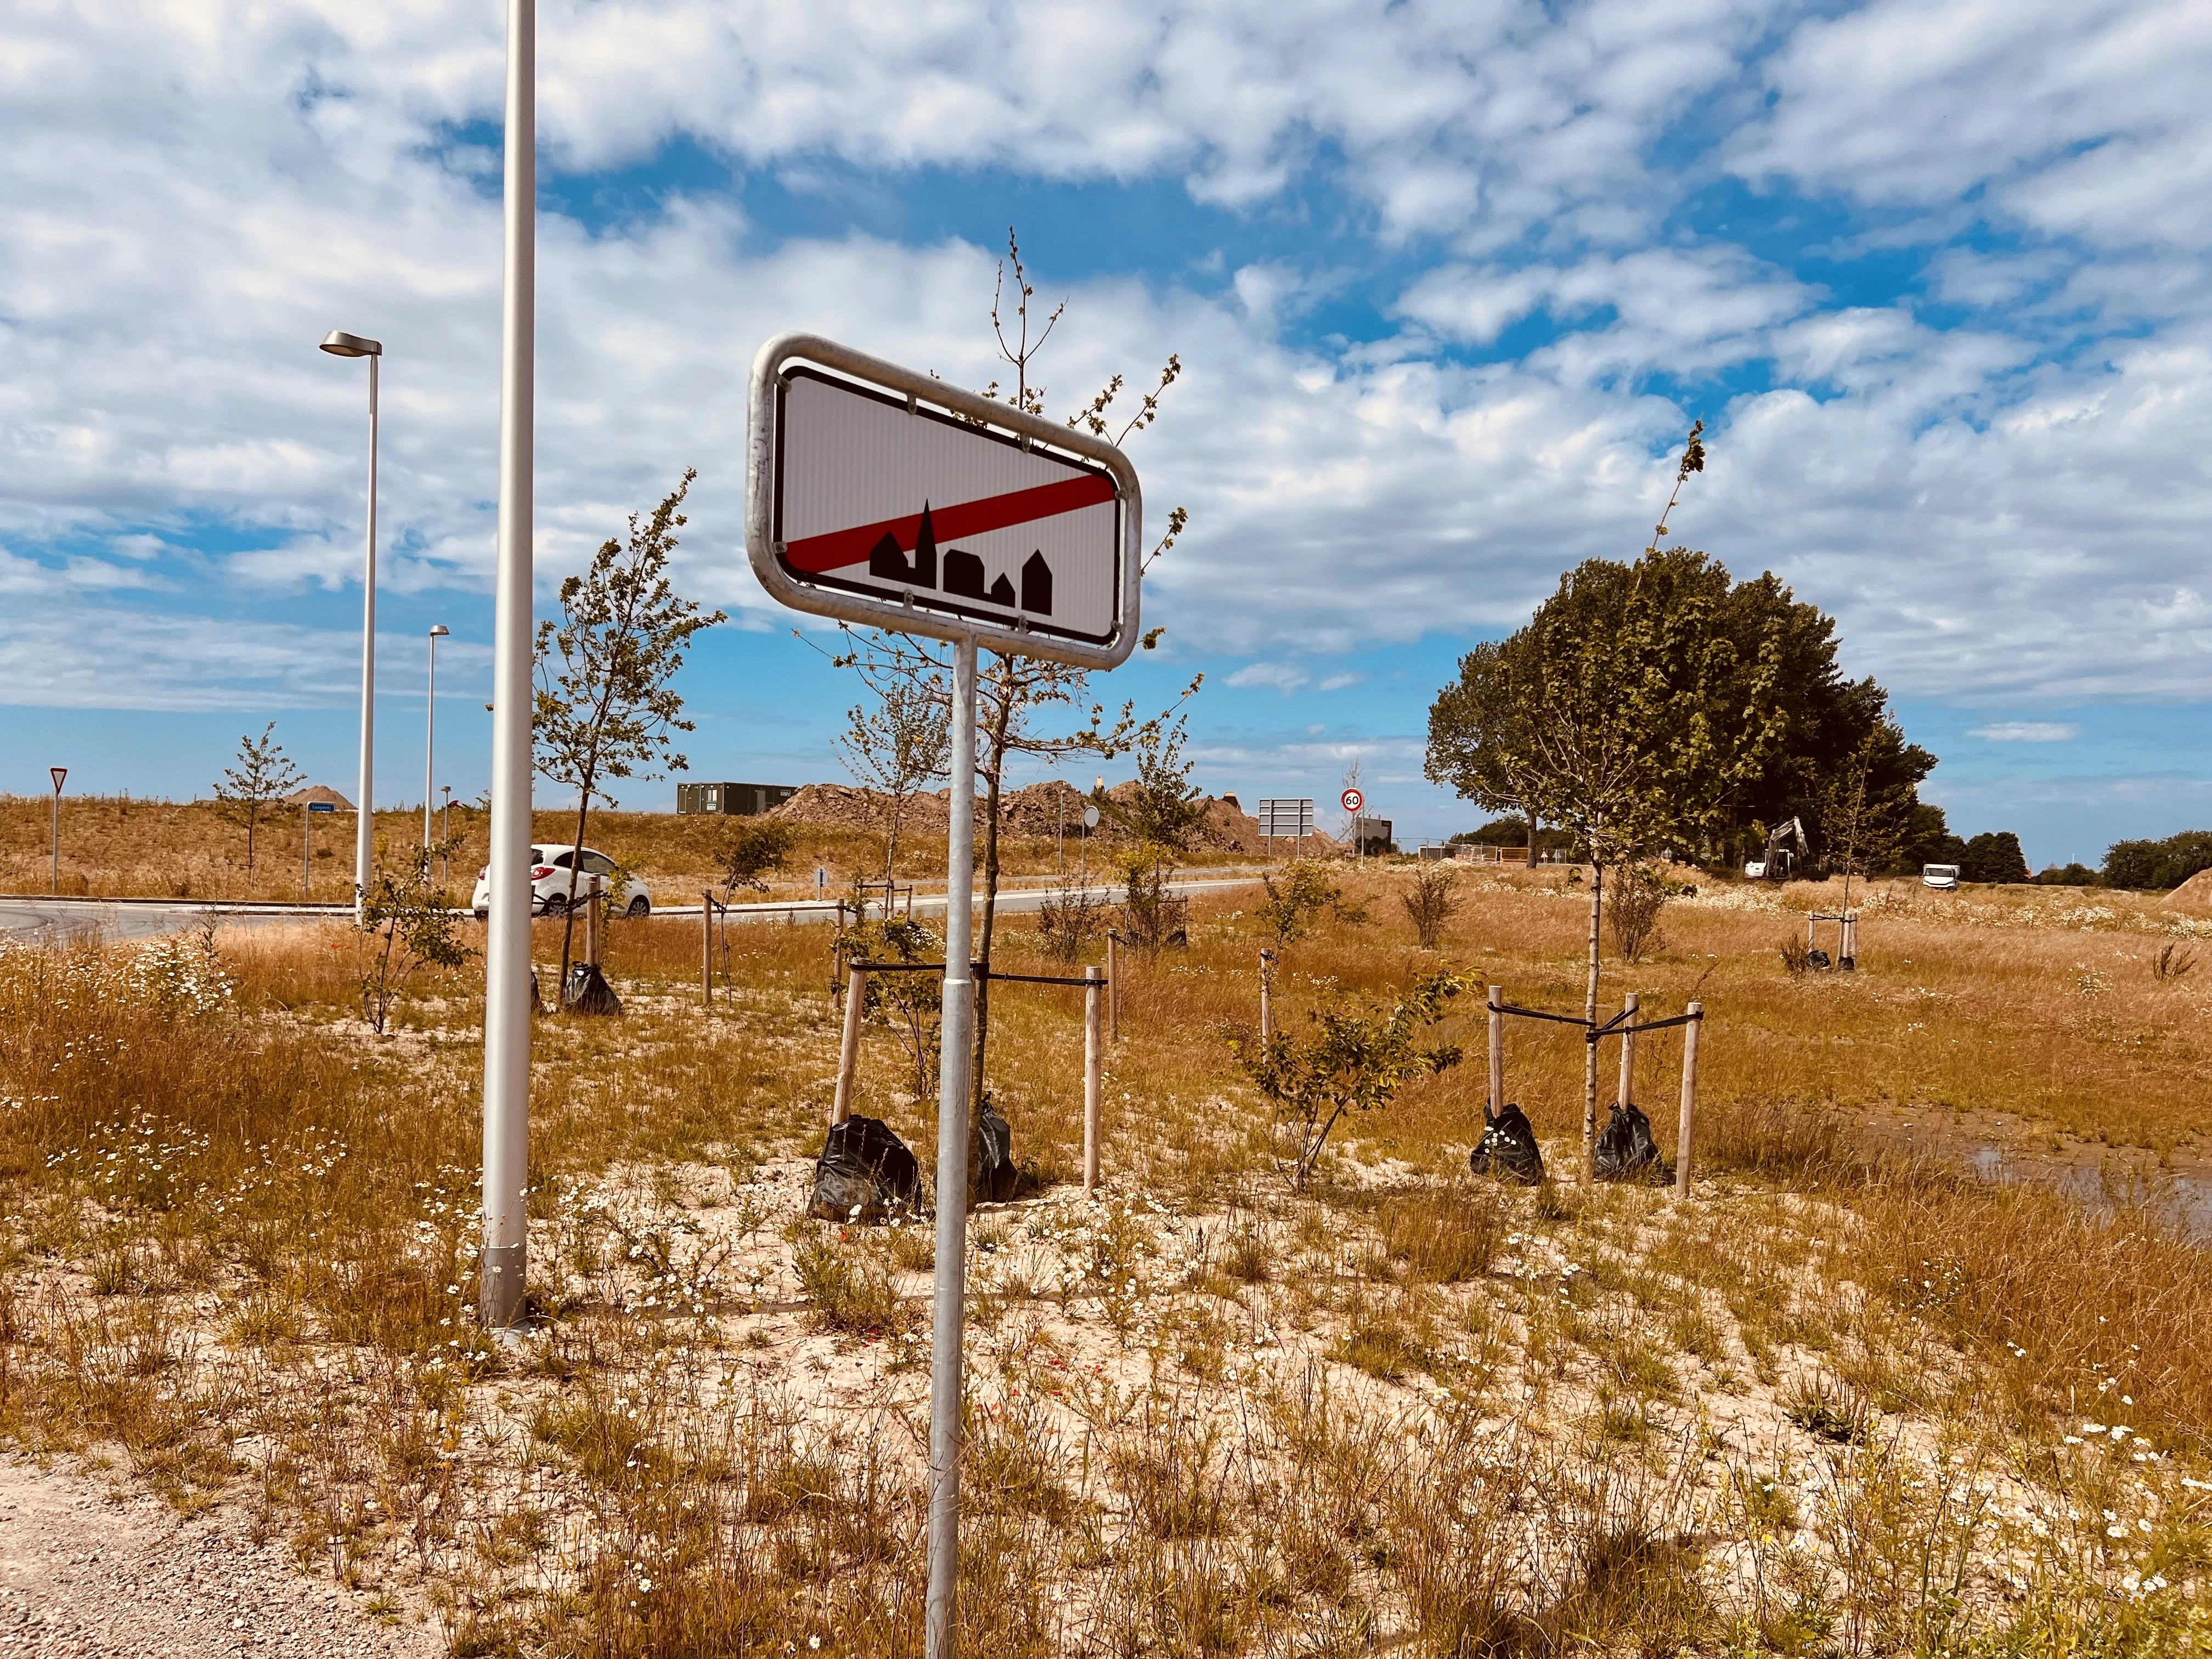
point(1352, 801)
point(889, 498)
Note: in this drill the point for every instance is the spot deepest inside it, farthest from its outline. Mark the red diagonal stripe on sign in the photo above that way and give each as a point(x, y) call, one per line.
point(950, 522)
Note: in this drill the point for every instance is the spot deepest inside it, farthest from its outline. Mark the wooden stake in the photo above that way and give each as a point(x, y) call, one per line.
point(1114, 987)
point(1266, 1009)
point(1497, 1054)
point(1696, 1012)
point(591, 924)
point(848, 1053)
point(1094, 1054)
point(1629, 1005)
point(707, 948)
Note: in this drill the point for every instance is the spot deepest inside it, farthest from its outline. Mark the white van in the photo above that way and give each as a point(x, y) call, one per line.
point(1943, 878)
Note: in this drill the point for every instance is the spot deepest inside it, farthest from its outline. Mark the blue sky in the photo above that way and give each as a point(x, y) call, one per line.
point(1448, 283)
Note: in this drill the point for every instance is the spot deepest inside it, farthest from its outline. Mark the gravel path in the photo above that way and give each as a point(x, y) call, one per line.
point(80, 1575)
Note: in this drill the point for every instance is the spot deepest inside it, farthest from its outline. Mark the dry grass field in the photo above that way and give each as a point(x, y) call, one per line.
point(116, 848)
point(1848, 1399)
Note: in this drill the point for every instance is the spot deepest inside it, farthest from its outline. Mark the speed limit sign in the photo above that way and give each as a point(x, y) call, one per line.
point(1353, 800)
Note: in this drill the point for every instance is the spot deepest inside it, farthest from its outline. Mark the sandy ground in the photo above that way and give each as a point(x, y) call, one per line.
point(84, 1573)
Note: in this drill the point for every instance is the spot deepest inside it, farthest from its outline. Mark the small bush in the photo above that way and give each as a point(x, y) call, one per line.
point(1430, 903)
point(1639, 893)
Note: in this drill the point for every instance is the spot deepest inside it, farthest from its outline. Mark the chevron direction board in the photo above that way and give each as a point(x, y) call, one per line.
point(889, 499)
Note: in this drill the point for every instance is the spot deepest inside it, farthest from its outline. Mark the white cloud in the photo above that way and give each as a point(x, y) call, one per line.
point(195, 197)
point(1341, 682)
point(1284, 677)
point(2026, 732)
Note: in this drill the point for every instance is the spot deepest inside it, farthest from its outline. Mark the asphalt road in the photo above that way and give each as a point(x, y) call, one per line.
point(133, 919)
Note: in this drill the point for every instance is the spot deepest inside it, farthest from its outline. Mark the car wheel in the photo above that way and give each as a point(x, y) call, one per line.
point(640, 907)
point(556, 904)
point(483, 915)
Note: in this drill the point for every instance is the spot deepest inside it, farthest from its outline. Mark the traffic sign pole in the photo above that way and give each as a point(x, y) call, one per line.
point(949, 1315)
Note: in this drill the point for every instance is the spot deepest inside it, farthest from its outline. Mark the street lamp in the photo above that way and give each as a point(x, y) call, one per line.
point(437, 631)
point(340, 344)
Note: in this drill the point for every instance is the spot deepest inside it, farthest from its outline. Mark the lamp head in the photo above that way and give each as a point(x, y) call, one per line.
point(439, 630)
point(340, 344)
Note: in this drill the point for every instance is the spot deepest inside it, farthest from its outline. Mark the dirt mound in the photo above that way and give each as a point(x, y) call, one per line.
point(2194, 896)
point(321, 794)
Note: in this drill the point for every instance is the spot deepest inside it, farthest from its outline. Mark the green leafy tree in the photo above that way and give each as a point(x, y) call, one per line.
point(411, 923)
point(249, 790)
point(893, 749)
point(1161, 814)
point(1994, 856)
point(1480, 745)
point(1627, 715)
point(751, 848)
point(605, 703)
point(2153, 866)
point(1295, 901)
point(1353, 1061)
point(910, 1004)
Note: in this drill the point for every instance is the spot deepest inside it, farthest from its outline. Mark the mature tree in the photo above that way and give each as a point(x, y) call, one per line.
point(1477, 743)
point(1026, 707)
point(895, 749)
point(1994, 856)
point(250, 790)
point(605, 703)
point(2154, 866)
point(1626, 714)
point(1928, 840)
point(1828, 726)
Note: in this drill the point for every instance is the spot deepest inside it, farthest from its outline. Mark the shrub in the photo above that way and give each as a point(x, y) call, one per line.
point(1430, 905)
point(1632, 909)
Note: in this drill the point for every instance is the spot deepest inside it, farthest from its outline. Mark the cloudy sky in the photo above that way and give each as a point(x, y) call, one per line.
point(1448, 283)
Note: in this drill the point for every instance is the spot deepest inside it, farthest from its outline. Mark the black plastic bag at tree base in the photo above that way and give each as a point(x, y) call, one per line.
point(1508, 1149)
point(589, 992)
point(997, 1178)
point(865, 1173)
point(1625, 1150)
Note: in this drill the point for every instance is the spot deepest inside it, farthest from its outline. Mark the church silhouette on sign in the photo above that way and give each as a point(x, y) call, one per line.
point(963, 572)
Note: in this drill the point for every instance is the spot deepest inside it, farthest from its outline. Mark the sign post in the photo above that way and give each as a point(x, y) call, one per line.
point(58, 772)
point(1355, 803)
point(890, 499)
point(307, 810)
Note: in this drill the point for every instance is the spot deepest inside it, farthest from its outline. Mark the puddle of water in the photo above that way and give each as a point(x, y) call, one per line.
point(2184, 1202)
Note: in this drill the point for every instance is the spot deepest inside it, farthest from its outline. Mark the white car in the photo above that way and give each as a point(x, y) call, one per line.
point(549, 884)
point(1943, 878)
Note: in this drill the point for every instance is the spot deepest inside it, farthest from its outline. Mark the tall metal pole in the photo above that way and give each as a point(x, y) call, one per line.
point(58, 772)
point(949, 1314)
point(430, 738)
point(508, 1004)
point(364, 835)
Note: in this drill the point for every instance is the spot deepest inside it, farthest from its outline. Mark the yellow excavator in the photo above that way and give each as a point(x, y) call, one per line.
point(1788, 856)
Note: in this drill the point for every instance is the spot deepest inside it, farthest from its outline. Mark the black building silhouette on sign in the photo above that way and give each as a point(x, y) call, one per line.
point(1037, 585)
point(964, 571)
point(887, 561)
point(963, 574)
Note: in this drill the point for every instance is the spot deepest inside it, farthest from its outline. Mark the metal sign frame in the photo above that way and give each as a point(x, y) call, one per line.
point(788, 356)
